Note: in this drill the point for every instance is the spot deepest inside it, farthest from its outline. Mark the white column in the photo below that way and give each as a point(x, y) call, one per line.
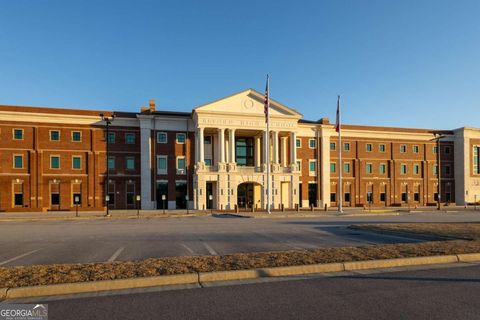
point(221, 145)
point(275, 147)
point(231, 137)
point(201, 145)
point(325, 168)
point(293, 148)
point(258, 151)
point(283, 158)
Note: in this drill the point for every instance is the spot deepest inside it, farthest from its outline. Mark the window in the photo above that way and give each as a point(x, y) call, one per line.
point(435, 169)
point(447, 150)
point(435, 149)
point(111, 163)
point(54, 135)
point(333, 197)
point(312, 166)
point(55, 199)
point(382, 147)
point(18, 199)
point(130, 138)
point(298, 143)
point(299, 165)
point(162, 165)
point(383, 168)
point(347, 196)
point(346, 146)
point(312, 143)
point(76, 136)
point(369, 147)
point(404, 196)
point(244, 152)
point(346, 167)
point(111, 137)
point(369, 168)
point(130, 163)
point(181, 137)
point(161, 137)
point(403, 169)
point(76, 162)
point(130, 198)
point(18, 161)
point(333, 167)
point(207, 140)
point(208, 162)
point(383, 197)
point(415, 149)
point(333, 145)
point(447, 170)
point(403, 148)
point(54, 162)
point(435, 196)
point(18, 134)
point(416, 197)
point(181, 163)
point(416, 169)
point(476, 159)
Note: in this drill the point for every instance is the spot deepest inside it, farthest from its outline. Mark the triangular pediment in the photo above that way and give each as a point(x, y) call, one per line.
point(248, 102)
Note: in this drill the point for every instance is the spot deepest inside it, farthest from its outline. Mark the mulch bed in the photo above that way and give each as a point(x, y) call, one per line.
point(67, 273)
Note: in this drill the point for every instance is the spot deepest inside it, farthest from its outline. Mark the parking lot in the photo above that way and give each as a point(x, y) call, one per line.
point(44, 242)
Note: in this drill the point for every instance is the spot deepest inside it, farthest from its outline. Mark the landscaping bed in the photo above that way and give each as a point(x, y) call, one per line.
point(67, 273)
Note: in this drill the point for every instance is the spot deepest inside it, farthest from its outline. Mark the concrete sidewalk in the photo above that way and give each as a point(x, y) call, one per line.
point(317, 212)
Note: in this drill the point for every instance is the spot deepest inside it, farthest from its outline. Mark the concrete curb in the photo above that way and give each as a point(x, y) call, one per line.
point(202, 277)
point(21, 219)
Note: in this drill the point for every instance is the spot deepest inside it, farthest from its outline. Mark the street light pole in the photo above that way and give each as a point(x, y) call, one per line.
point(108, 122)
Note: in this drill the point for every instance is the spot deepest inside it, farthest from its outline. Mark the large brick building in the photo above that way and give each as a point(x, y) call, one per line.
point(215, 157)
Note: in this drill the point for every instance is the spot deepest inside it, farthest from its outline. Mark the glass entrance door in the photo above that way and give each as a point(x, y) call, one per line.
point(245, 195)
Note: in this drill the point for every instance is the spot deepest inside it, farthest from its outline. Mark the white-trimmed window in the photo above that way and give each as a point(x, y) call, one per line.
point(76, 162)
point(435, 149)
point(382, 168)
point(181, 165)
point(312, 167)
point(346, 167)
point(416, 168)
point(369, 168)
point(346, 146)
point(181, 138)
point(298, 143)
point(382, 147)
point(333, 167)
point(369, 147)
point(333, 146)
point(130, 138)
point(403, 148)
point(403, 168)
point(162, 164)
point(54, 162)
point(435, 169)
point(130, 163)
point(299, 164)
point(415, 149)
point(18, 161)
point(312, 143)
point(54, 135)
point(476, 159)
point(76, 136)
point(17, 134)
point(111, 163)
point(162, 137)
point(208, 162)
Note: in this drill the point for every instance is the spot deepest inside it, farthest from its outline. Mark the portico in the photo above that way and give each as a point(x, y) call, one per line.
point(232, 140)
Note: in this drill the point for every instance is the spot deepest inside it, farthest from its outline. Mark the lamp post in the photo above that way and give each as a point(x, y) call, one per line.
point(108, 122)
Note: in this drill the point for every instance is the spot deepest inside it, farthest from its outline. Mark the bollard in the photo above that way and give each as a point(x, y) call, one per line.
point(326, 207)
point(236, 208)
point(297, 207)
point(283, 207)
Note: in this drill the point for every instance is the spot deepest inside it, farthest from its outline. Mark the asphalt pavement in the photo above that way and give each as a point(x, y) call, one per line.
point(44, 242)
point(444, 293)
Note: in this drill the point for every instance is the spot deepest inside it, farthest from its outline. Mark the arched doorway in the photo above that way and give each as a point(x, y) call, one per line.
point(249, 195)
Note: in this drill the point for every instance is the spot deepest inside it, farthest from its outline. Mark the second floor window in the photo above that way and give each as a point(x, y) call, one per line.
point(312, 143)
point(403, 169)
point(181, 163)
point(298, 143)
point(435, 169)
point(333, 167)
point(161, 137)
point(368, 147)
point(76, 136)
point(369, 168)
point(403, 148)
point(382, 148)
point(383, 168)
point(332, 145)
point(346, 167)
point(76, 162)
point(162, 164)
point(416, 169)
point(181, 137)
point(18, 162)
point(130, 163)
point(415, 149)
point(111, 163)
point(130, 138)
point(18, 134)
point(346, 146)
point(54, 162)
point(54, 135)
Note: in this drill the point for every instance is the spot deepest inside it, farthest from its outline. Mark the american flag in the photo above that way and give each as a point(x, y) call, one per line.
point(337, 121)
point(267, 101)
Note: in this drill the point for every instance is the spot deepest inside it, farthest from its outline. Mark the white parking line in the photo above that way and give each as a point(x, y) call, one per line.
point(18, 257)
point(210, 249)
point(116, 254)
point(188, 248)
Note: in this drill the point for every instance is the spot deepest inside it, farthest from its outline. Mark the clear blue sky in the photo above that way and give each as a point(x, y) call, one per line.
point(413, 63)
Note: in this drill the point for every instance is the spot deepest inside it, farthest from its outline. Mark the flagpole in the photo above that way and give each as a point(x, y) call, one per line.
point(340, 169)
point(268, 143)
